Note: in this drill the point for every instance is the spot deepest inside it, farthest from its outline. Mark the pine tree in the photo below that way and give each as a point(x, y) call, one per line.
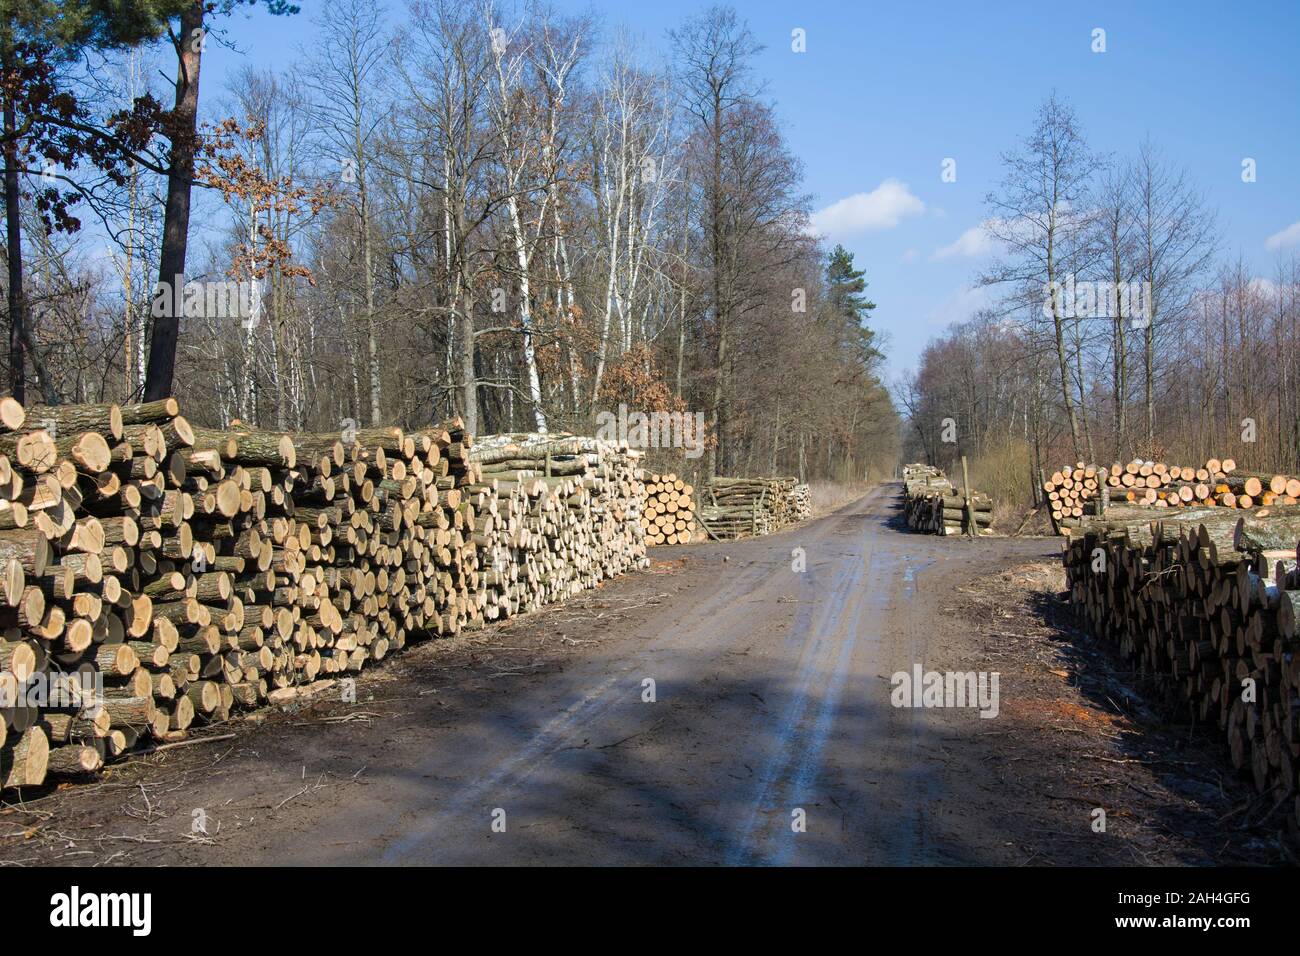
point(845, 287)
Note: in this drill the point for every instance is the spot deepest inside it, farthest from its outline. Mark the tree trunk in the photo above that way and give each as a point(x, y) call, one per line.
point(13, 221)
point(1120, 377)
point(1083, 397)
point(1063, 362)
point(717, 454)
point(367, 259)
point(526, 317)
point(183, 132)
point(468, 379)
point(615, 219)
point(17, 303)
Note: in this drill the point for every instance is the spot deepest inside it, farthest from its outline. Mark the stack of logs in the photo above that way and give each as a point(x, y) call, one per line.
point(178, 573)
point(164, 575)
point(1081, 490)
point(669, 516)
point(932, 505)
point(1207, 602)
point(739, 507)
point(557, 514)
point(801, 505)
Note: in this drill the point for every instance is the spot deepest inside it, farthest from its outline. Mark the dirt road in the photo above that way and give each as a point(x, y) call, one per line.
point(771, 696)
point(697, 713)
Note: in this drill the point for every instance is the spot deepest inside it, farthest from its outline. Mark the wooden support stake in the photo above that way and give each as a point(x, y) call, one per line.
point(965, 490)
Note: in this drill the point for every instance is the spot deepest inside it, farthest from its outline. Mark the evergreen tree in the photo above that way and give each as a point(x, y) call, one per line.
point(845, 289)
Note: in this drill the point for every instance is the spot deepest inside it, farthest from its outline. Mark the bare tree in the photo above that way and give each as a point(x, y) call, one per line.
point(714, 52)
point(446, 68)
point(1116, 239)
point(1041, 219)
point(1175, 235)
point(346, 78)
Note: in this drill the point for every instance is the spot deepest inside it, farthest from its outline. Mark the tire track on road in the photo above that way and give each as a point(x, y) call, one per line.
point(789, 728)
point(556, 734)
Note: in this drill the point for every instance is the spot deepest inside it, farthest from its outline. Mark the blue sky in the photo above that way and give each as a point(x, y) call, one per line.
point(885, 92)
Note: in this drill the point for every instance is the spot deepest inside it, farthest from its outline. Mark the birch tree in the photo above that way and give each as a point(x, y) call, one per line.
point(513, 118)
point(633, 162)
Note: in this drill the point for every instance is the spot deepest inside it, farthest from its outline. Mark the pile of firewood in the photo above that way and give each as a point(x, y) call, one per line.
point(933, 505)
point(1083, 490)
point(741, 507)
point(801, 506)
point(159, 576)
point(669, 516)
point(1207, 603)
point(557, 514)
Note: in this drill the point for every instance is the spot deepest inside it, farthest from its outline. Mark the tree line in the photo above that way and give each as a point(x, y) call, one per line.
point(498, 212)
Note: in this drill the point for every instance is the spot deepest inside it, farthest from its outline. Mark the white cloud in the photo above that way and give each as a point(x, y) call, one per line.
point(911, 255)
point(974, 243)
point(882, 208)
point(961, 305)
point(1288, 237)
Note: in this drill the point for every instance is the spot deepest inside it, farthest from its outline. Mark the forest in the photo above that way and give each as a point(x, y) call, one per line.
point(470, 209)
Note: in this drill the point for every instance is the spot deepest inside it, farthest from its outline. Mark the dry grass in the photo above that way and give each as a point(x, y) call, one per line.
point(828, 496)
point(1003, 473)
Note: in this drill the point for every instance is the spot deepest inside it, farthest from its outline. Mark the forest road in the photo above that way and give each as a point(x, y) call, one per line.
point(748, 721)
